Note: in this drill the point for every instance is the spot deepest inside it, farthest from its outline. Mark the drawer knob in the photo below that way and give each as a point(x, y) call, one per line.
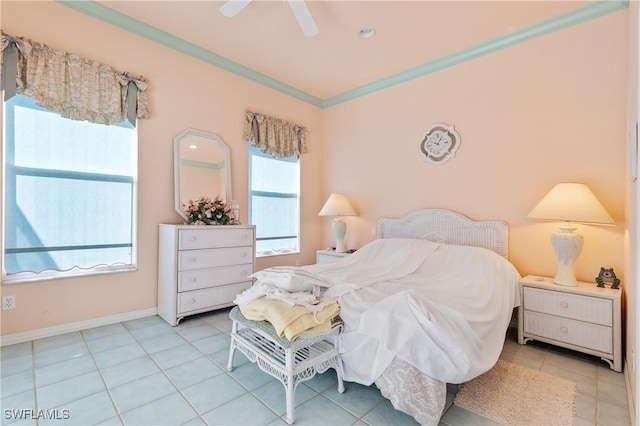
point(564, 330)
point(193, 279)
point(564, 304)
point(192, 259)
point(192, 301)
point(243, 254)
point(194, 238)
point(244, 236)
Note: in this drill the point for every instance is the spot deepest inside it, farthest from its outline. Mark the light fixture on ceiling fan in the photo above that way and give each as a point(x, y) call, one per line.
point(232, 7)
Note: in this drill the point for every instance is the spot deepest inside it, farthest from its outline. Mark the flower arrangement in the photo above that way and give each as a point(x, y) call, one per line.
point(205, 211)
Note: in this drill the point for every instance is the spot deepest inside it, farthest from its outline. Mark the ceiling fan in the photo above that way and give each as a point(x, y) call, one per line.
point(232, 7)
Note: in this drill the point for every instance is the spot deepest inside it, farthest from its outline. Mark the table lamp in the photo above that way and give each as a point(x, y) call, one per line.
point(338, 205)
point(569, 202)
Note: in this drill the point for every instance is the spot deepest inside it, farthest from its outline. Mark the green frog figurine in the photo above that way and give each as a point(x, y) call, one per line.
point(607, 275)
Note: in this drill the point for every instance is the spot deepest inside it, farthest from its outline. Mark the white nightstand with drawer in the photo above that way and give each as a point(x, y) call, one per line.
point(324, 256)
point(585, 318)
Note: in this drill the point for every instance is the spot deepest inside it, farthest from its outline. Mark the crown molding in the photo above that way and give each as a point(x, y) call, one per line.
point(110, 16)
point(578, 16)
point(583, 14)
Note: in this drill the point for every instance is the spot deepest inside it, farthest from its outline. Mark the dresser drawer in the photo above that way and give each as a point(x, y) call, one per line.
point(190, 239)
point(586, 335)
point(213, 258)
point(574, 306)
point(213, 277)
point(210, 297)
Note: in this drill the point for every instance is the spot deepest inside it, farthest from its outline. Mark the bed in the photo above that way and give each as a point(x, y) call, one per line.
point(425, 304)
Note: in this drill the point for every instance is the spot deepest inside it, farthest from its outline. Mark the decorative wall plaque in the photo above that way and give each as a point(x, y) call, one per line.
point(439, 144)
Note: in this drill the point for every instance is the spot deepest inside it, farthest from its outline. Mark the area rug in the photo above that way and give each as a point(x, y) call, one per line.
point(516, 395)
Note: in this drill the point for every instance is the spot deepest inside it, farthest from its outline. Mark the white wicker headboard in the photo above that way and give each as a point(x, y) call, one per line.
point(446, 226)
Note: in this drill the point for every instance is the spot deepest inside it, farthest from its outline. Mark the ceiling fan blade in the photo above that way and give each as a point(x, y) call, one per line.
point(305, 20)
point(233, 7)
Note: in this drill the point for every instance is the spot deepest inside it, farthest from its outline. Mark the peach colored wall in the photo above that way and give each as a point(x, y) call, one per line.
point(183, 92)
point(546, 111)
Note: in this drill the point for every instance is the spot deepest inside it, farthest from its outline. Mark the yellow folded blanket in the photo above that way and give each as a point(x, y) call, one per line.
point(291, 321)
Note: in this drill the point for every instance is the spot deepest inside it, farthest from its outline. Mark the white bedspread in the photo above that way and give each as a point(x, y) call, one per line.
point(442, 308)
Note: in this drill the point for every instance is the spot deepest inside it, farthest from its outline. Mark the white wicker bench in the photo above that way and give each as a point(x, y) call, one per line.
point(291, 362)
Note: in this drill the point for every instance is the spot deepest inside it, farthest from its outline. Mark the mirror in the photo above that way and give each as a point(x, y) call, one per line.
point(202, 167)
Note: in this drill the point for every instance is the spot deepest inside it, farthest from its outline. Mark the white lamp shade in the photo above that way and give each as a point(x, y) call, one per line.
point(337, 205)
point(571, 202)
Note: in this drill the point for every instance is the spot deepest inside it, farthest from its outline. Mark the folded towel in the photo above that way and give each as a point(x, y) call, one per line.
point(290, 278)
point(261, 289)
point(292, 321)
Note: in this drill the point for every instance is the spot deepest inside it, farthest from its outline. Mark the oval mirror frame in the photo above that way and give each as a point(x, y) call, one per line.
point(202, 167)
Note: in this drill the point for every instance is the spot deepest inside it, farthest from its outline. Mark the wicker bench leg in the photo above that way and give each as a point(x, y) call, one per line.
point(339, 372)
point(291, 402)
point(290, 388)
point(232, 346)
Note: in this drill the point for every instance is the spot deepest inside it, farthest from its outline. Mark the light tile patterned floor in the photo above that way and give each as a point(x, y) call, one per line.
point(145, 372)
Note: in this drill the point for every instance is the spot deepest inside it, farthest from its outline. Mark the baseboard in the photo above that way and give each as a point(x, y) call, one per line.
point(630, 397)
point(41, 333)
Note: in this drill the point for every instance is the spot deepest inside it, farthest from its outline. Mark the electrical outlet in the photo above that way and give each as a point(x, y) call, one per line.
point(8, 302)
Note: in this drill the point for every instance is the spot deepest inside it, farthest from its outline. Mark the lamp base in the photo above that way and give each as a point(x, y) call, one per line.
point(567, 246)
point(339, 230)
point(565, 281)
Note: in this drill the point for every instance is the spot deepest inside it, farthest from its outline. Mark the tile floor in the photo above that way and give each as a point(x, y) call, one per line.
point(144, 372)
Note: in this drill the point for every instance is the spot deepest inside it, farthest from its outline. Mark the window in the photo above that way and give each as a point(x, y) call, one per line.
point(69, 194)
point(274, 202)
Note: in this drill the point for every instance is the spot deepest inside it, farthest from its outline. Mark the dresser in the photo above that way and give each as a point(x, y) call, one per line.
point(202, 268)
point(585, 318)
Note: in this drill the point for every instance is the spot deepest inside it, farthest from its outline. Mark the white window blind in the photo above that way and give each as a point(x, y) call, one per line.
point(70, 194)
point(274, 194)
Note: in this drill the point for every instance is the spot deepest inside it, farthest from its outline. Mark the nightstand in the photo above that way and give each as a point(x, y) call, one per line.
point(325, 256)
point(585, 318)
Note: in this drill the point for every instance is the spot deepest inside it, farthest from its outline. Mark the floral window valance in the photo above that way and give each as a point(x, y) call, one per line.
point(274, 136)
point(76, 87)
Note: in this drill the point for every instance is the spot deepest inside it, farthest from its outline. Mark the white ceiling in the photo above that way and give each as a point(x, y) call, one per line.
point(265, 37)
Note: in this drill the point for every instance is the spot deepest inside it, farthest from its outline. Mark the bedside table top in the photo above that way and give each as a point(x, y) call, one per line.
point(329, 252)
point(588, 289)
